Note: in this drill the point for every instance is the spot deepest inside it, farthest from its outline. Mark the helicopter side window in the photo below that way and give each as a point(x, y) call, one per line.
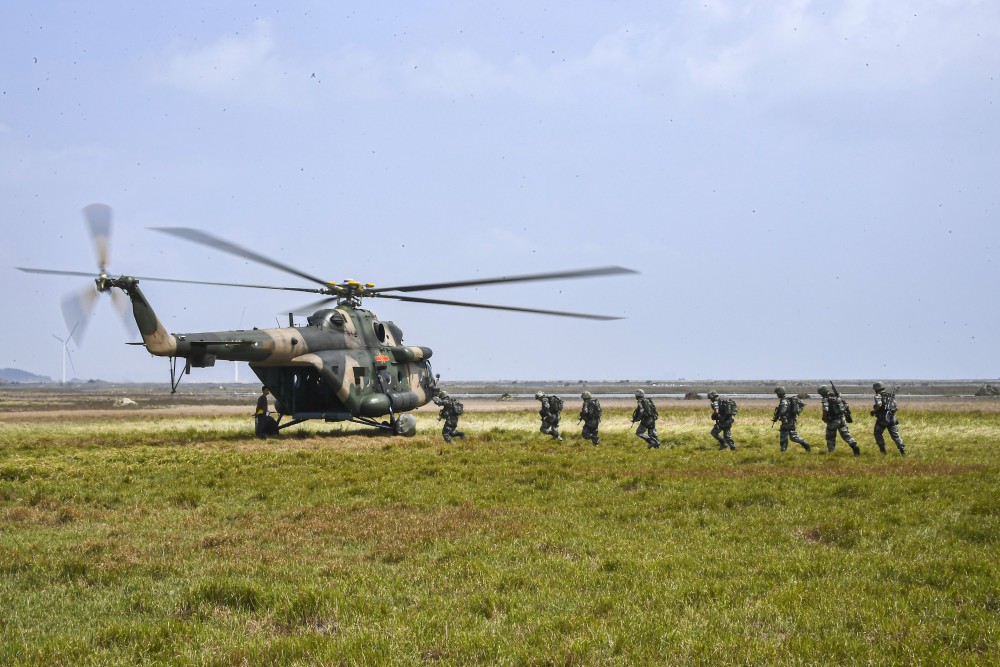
point(360, 378)
point(379, 331)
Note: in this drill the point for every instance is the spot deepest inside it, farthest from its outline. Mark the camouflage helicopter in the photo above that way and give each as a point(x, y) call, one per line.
point(345, 365)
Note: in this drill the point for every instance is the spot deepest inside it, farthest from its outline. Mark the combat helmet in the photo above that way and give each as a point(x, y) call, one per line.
point(780, 391)
point(713, 394)
point(442, 394)
point(639, 393)
point(823, 390)
point(585, 396)
point(878, 386)
point(539, 395)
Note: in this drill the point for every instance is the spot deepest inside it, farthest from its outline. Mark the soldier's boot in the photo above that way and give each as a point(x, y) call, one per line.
point(902, 449)
point(597, 441)
point(544, 429)
point(784, 448)
point(447, 438)
point(855, 448)
point(460, 434)
point(555, 434)
point(732, 445)
point(805, 446)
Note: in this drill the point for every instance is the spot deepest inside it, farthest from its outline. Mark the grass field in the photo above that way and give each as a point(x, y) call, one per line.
point(182, 540)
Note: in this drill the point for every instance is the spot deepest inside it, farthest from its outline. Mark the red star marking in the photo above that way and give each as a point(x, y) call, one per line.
point(381, 357)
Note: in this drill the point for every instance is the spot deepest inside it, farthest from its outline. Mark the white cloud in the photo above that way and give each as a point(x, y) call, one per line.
point(846, 46)
point(245, 66)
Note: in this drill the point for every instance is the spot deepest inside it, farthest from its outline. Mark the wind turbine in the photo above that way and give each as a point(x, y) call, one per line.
point(65, 351)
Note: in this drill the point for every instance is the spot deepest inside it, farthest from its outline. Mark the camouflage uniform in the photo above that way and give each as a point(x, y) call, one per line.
point(590, 415)
point(835, 413)
point(451, 408)
point(884, 411)
point(264, 423)
point(549, 411)
point(723, 429)
point(645, 413)
point(786, 414)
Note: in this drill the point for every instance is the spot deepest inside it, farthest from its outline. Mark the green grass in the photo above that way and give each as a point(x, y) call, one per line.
point(184, 541)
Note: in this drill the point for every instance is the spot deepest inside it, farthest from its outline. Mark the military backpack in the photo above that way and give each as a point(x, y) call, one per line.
point(555, 404)
point(795, 406)
point(457, 408)
point(727, 408)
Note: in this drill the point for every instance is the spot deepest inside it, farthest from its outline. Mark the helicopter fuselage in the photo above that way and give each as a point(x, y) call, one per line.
point(345, 364)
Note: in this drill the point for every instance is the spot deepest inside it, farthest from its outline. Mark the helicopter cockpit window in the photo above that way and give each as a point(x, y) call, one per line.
point(379, 331)
point(328, 317)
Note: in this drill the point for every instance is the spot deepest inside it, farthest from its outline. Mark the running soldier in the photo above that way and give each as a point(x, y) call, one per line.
point(884, 411)
point(549, 412)
point(645, 414)
point(451, 408)
point(724, 414)
point(788, 412)
point(590, 415)
point(837, 414)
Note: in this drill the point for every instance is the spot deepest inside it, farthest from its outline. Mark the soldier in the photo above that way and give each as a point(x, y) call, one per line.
point(884, 411)
point(645, 414)
point(590, 415)
point(724, 414)
point(788, 412)
point(264, 423)
point(836, 414)
point(451, 408)
point(549, 412)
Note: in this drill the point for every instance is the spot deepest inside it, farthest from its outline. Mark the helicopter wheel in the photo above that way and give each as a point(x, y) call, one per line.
point(406, 426)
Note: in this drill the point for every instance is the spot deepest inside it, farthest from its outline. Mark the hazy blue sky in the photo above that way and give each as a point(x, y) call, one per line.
point(810, 189)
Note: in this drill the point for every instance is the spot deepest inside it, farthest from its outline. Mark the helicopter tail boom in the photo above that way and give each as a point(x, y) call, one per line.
point(155, 337)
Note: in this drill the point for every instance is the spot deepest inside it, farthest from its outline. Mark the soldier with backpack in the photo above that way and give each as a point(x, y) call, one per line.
point(451, 409)
point(884, 411)
point(550, 411)
point(590, 415)
point(788, 412)
point(724, 414)
point(837, 415)
point(645, 414)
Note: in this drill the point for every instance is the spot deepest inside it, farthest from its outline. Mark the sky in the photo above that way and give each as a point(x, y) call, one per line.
point(807, 189)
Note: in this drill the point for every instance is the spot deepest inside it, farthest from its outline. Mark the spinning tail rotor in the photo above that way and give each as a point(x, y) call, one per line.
point(78, 307)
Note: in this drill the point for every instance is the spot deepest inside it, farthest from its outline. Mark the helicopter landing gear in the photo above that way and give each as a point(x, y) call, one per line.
point(406, 425)
point(175, 379)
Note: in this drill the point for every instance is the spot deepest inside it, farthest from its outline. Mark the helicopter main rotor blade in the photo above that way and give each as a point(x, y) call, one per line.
point(555, 275)
point(56, 273)
point(311, 290)
point(98, 217)
point(204, 238)
point(517, 309)
point(310, 308)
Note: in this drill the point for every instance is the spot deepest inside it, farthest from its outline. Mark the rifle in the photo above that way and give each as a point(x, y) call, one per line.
point(890, 415)
point(847, 409)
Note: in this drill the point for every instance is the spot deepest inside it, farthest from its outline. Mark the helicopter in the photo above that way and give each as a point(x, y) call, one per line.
point(346, 364)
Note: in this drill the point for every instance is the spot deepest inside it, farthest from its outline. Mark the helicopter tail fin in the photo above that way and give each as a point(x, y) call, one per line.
point(155, 337)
